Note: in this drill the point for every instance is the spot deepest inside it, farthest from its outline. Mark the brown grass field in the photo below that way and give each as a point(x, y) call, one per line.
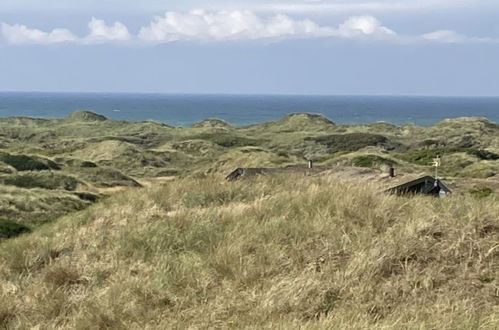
point(305, 252)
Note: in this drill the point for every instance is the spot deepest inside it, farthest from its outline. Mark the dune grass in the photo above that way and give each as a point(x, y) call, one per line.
point(34, 206)
point(269, 252)
point(46, 180)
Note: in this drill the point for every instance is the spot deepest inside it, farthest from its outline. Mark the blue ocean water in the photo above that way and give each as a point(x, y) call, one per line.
point(183, 110)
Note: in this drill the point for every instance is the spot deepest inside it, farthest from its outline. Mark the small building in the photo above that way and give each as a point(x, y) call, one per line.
point(426, 185)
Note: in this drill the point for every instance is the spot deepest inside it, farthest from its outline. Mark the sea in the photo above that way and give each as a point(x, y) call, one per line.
point(185, 109)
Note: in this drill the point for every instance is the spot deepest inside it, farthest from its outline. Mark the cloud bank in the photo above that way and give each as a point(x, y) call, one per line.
point(99, 32)
point(246, 25)
point(235, 25)
point(21, 34)
point(451, 36)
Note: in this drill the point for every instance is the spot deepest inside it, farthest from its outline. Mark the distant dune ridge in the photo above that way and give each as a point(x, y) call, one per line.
point(115, 224)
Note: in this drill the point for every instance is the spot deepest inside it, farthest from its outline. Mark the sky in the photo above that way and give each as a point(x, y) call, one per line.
point(334, 47)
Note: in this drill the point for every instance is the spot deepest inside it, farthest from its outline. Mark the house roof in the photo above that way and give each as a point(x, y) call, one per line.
point(427, 185)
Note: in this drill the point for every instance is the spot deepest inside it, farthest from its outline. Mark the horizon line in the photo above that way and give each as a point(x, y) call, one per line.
point(246, 94)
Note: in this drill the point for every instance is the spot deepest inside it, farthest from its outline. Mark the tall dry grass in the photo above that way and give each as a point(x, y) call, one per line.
point(271, 252)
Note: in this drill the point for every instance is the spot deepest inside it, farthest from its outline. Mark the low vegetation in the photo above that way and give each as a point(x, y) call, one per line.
point(131, 225)
point(349, 142)
point(87, 152)
point(27, 163)
point(372, 161)
point(45, 180)
point(262, 253)
point(33, 207)
point(10, 229)
point(426, 156)
point(481, 191)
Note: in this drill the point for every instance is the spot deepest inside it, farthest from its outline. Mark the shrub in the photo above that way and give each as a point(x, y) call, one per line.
point(229, 140)
point(46, 180)
point(10, 229)
point(350, 142)
point(27, 163)
point(371, 161)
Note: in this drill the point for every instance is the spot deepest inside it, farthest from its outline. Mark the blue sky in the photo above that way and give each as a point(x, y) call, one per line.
point(398, 47)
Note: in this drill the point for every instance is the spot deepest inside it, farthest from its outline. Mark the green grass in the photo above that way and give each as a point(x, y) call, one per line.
point(269, 252)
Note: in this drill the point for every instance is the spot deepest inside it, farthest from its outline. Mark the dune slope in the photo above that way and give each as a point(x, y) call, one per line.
point(269, 252)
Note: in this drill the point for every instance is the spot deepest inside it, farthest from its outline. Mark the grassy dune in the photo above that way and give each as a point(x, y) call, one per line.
point(175, 246)
point(268, 252)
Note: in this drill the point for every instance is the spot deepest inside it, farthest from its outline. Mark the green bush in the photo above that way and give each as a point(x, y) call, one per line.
point(229, 140)
point(45, 180)
point(27, 163)
point(9, 229)
point(371, 161)
point(350, 142)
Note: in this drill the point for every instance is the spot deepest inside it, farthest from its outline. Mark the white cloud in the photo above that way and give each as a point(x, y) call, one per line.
point(363, 26)
point(246, 25)
point(451, 36)
point(227, 25)
point(447, 36)
point(21, 34)
point(100, 32)
point(235, 25)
